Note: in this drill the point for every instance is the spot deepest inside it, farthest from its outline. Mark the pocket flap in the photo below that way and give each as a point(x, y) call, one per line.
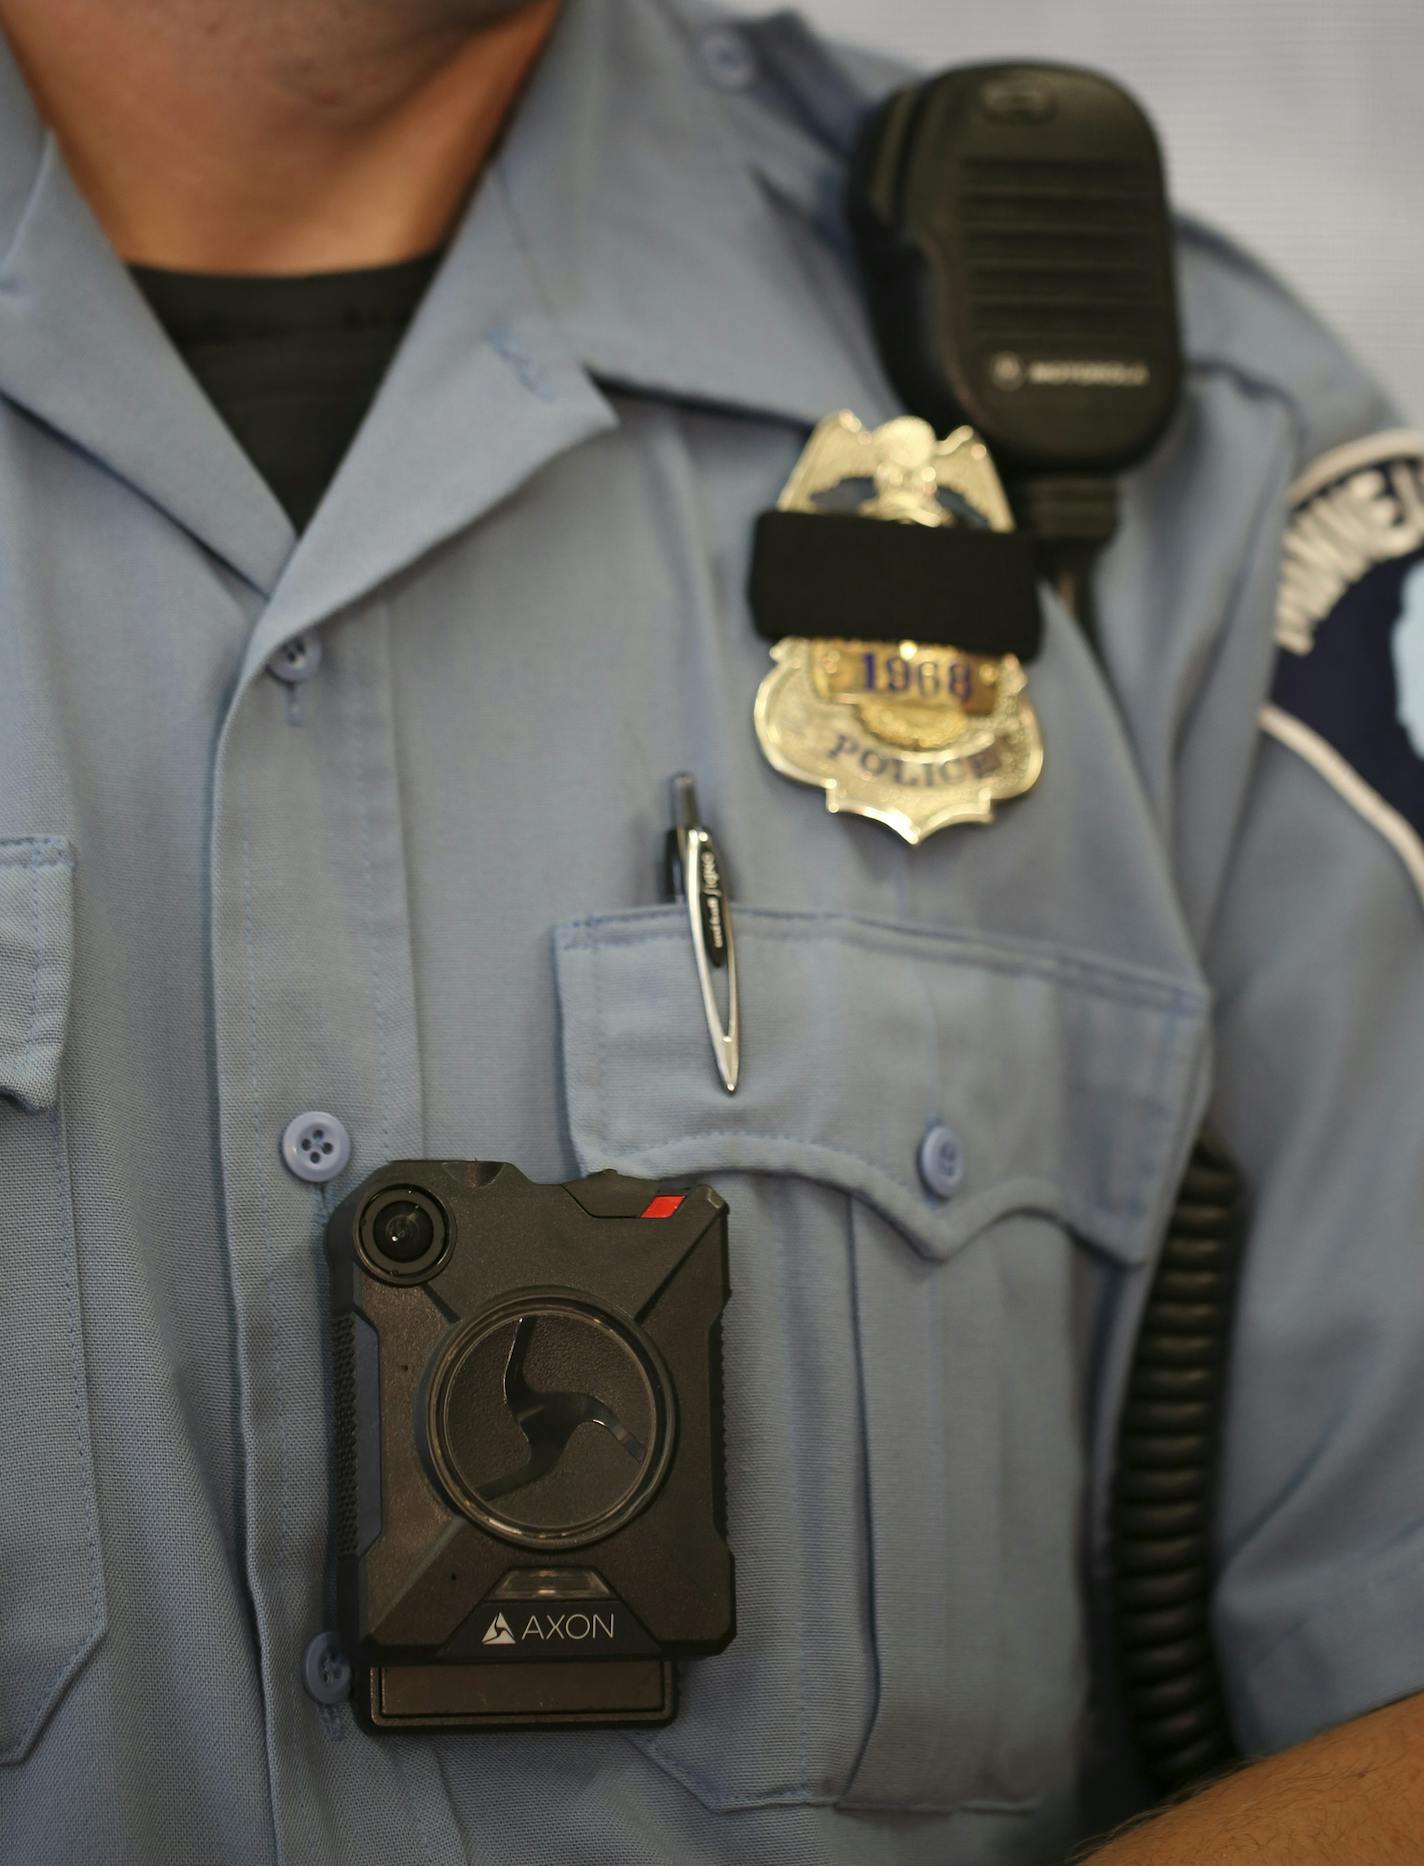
point(1071, 1082)
point(36, 962)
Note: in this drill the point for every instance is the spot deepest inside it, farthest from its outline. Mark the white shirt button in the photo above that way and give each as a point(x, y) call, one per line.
point(727, 58)
point(296, 660)
point(315, 1146)
point(941, 1161)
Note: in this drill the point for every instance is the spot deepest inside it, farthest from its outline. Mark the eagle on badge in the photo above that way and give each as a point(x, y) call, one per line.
point(909, 468)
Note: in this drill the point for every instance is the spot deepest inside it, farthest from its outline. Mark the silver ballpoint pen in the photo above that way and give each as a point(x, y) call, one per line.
point(695, 875)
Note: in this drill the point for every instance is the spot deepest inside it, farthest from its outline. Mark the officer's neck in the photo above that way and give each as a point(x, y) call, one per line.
point(258, 136)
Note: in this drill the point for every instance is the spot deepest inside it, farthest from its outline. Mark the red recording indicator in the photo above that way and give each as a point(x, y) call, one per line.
point(663, 1206)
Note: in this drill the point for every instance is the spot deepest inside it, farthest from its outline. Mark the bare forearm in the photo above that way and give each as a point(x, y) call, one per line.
point(1351, 1795)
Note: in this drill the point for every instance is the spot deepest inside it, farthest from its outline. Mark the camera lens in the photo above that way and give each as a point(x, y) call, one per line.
point(404, 1233)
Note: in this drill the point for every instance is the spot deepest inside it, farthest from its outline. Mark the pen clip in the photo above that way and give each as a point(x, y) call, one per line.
point(696, 873)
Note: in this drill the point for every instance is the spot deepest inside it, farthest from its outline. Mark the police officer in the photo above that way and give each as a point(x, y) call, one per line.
point(331, 798)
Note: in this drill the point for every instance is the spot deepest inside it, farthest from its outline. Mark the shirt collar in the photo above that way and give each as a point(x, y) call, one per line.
point(81, 352)
point(624, 231)
point(654, 228)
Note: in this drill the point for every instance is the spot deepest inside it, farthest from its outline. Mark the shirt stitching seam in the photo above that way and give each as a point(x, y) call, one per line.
point(98, 1619)
point(269, 1282)
point(32, 1039)
point(1146, 992)
point(372, 952)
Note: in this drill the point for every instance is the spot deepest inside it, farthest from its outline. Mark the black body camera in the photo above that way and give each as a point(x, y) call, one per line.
point(529, 1518)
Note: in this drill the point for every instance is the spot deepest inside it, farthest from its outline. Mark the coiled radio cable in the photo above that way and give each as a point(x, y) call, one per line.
point(1164, 1487)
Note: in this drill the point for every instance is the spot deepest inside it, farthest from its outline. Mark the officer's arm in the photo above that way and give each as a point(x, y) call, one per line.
point(1353, 1793)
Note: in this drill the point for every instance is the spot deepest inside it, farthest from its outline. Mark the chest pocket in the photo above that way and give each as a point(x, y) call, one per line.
point(51, 1594)
point(905, 1357)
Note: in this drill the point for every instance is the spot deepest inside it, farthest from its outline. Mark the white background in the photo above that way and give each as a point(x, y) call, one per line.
point(1295, 125)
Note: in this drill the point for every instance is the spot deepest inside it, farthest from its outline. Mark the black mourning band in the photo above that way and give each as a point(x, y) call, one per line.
point(831, 574)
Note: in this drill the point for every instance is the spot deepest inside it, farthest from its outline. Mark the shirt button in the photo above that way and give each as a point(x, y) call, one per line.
point(941, 1161)
point(727, 59)
point(315, 1146)
point(296, 660)
point(326, 1671)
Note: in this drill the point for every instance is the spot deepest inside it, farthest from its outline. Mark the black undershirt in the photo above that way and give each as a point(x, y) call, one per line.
point(290, 363)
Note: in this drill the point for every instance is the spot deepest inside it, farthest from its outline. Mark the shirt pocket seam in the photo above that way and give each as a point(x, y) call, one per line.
point(1179, 1007)
point(36, 944)
point(1118, 979)
point(49, 1696)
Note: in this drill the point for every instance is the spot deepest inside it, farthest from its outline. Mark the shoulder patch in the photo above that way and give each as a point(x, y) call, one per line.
point(1348, 694)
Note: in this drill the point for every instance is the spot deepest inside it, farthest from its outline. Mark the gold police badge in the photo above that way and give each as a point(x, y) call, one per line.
point(916, 736)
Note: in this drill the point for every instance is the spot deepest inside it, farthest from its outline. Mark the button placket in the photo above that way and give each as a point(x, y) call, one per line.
point(319, 1077)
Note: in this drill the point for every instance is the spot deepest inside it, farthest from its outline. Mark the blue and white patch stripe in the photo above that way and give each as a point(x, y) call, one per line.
point(1348, 693)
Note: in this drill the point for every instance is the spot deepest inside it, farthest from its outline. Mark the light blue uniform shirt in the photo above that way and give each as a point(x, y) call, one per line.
point(421, 891)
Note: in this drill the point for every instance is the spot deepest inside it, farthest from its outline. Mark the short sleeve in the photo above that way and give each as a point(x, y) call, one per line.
point(1279, 707)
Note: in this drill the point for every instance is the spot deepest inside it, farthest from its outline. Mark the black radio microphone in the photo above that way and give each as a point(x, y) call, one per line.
point(1014, 236)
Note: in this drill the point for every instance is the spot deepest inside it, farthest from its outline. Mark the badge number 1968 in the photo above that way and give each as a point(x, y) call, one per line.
point(940, 748)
